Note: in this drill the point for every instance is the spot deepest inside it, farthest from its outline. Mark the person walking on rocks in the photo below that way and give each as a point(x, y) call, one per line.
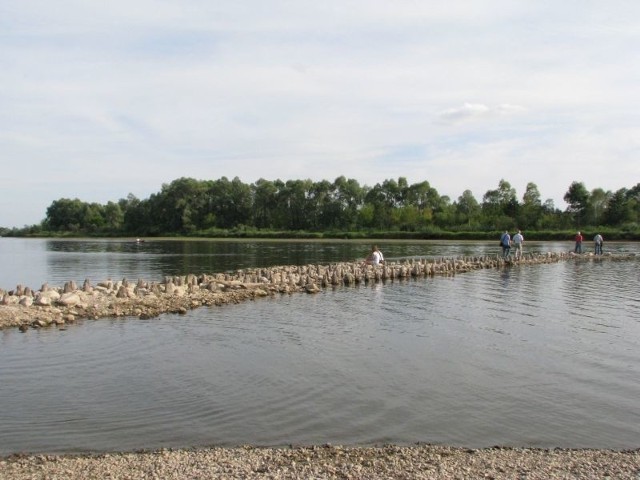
point(578, 239)
point(598, 241)
point(518, 240)
point(505, 242)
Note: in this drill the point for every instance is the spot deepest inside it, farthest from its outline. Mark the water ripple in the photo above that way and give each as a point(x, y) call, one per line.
point(543, 356)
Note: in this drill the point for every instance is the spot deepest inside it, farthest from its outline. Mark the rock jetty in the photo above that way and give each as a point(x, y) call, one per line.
point(26, 308)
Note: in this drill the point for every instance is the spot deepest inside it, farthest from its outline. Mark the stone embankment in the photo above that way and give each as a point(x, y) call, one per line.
point(26, 308)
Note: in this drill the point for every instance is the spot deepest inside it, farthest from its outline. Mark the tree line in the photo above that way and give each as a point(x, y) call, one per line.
point(187, 206)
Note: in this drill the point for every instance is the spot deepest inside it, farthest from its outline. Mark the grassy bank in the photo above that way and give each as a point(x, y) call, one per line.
point(550, 235)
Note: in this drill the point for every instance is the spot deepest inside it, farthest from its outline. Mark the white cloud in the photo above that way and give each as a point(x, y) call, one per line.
point(476, 111)
point(111, 98)
point(465, 112)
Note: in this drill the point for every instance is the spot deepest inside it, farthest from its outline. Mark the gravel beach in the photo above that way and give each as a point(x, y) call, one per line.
point(331, 462)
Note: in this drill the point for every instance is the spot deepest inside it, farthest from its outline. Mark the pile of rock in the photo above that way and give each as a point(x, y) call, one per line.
point(25, 308)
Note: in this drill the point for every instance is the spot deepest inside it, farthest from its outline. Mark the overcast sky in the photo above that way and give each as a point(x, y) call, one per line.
point(102, 99)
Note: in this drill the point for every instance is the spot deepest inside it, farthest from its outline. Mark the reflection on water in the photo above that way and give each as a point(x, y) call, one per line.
point(544, 355)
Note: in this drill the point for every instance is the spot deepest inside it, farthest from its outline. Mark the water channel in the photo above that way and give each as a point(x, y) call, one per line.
point(545, 355)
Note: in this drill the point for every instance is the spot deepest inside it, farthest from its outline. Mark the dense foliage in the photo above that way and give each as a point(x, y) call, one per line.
point(343, 207)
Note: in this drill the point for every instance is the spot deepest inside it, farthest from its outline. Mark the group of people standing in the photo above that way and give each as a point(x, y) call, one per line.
point(375, 257)
point(597, 242)
point(506, 242)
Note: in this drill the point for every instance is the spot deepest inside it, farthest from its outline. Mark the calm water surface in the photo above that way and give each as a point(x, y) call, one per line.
point(543, 355)
point(31, 262)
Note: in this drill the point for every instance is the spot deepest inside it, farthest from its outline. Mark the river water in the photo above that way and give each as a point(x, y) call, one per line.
point(543, 356)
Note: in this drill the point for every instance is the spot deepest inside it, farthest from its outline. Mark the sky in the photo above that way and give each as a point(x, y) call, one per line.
point(99, 100)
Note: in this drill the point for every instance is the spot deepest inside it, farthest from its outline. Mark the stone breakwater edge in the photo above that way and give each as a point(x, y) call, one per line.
point(26, 308)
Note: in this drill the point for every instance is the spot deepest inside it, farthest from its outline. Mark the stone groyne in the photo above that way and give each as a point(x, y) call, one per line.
point(26, 308)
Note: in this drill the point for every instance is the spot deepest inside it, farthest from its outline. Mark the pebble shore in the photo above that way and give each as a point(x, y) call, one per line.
point(331, 462)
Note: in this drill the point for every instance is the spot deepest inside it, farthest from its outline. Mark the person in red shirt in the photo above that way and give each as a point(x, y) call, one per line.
point(579, 239)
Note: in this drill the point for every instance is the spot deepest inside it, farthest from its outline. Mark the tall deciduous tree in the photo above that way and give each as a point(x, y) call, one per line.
point(530, 213)
point(577, 197)
point(114, 217)
point(598, 200)
point(618, 210)
point(468, 209)
point(264, 203)
point(633, 197)
point(500, 206)
point(350, 196)
point(231, 202)
point(66, 215)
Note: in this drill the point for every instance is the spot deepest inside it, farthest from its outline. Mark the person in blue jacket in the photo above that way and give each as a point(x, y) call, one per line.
point(505, 243)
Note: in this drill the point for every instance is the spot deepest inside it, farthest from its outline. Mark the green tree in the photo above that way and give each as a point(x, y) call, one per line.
point(427, 201)
point(180, 206)
point(231, 202)
point(65, 215)
point(92, 220)
point(531, 210)
point(445, 214)
point(577, 197)
point(113, 217)
point(468, 209)
point(633, 198)
point(552, 218)
point(618, 211)
point(366, 216)
point(500, 206)
point(264, 203)
point(596, 206)
point(293, 205)
point(384, 199)
point(138, 216)
point(323, 207)
point(350, 196)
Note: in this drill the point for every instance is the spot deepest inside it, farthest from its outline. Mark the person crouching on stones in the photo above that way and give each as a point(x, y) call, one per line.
point(375, 257)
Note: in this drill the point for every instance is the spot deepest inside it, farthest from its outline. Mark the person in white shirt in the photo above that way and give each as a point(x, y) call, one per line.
point(375, 257)
point(518, 240)
point(598, 241)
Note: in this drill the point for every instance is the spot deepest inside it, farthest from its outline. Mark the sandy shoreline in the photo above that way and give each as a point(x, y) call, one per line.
point(331, 462)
